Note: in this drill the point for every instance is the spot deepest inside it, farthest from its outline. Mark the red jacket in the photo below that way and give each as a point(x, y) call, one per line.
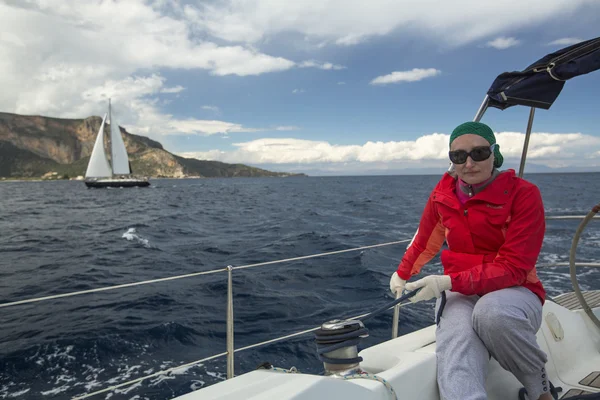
point(494, 239)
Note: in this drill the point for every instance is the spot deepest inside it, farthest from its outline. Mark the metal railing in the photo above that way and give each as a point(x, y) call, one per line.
point(562, 217)
point(230, 326)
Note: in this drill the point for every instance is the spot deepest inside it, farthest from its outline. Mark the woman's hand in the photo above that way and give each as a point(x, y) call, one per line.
point(397, 284)
point(431, 286)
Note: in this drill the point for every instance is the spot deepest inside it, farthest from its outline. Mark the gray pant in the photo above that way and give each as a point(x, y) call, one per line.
point(500, 324)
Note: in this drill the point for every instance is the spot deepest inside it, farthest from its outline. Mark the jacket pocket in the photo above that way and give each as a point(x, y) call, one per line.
point(485, 216)
point(458, 262)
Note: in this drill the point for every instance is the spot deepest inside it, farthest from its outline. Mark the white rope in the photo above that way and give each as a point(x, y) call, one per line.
point(360, 375)
point(287, 336)
point(559, 217)
point(566, 264)
point(57, 296)
point(365, 375)
point(171, 278)
point(319, 255)
point(292, 370)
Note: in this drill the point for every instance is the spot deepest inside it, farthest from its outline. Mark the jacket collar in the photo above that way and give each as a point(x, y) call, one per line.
point(497, 192)
point(463, 188)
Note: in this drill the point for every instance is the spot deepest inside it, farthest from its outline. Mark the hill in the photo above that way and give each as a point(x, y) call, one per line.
point(32, 146)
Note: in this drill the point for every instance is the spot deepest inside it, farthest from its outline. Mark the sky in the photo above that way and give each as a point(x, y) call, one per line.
point(323, 87)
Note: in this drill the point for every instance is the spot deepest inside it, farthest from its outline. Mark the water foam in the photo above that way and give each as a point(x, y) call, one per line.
point(132, 235)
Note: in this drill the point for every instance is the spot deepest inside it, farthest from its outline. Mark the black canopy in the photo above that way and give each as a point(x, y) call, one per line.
point(539, 84)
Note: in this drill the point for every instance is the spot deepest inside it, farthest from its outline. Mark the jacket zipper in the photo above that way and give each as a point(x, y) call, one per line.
point(465, 212)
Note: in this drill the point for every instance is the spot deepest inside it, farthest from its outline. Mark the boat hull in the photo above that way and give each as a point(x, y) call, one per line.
point(116, 183)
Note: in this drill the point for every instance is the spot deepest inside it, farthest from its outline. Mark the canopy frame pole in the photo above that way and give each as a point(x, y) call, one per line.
point(230, 349)
point(526, 144)
point(482, 108)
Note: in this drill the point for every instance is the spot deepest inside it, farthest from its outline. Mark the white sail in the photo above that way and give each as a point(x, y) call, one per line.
point(98, 166)
point(120, 162)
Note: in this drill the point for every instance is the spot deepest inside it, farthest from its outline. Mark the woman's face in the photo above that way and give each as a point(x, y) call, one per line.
point(472, 172)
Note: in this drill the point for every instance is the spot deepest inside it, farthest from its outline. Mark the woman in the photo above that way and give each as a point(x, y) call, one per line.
point(489, 298)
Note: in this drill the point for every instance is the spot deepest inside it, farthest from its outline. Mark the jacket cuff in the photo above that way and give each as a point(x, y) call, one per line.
point(402, 273)
point(458, 285)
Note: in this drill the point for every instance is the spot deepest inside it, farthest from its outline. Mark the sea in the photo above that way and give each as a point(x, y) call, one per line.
point(60, 237)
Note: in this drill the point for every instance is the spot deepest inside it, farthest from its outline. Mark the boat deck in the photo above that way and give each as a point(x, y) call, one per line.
point(573, 393)
point(592, 381)
point(570, 301)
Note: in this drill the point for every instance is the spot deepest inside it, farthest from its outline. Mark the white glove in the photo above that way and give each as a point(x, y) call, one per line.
point(397, 284)
point(432, 286)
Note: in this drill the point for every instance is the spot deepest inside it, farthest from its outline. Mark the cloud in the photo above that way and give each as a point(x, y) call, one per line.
point(296, 91)
point(45, 70)
point(414, 75)
point(153, 122)
point(324, 66)
point(214, 109)
point(70, 72)
point(351, 40)
point(175, 89)
point(139, 113)
point(156, 40)
point(545, 148)
point(341, 83)
point(348, 23)
point(204, 127)
point(502, 43)
point(565, 41)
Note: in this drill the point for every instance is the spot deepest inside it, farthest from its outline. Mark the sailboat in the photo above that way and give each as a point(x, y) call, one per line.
point(99, 173)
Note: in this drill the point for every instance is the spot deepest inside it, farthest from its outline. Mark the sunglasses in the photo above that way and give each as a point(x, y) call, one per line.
point(480, 153)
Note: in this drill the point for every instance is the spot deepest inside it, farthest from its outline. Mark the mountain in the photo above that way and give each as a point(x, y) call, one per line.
point(32, 146)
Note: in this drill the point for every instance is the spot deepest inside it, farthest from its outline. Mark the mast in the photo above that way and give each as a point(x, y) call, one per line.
point(112, 153)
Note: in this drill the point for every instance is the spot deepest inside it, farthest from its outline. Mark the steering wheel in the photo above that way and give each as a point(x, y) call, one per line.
point(572, 267)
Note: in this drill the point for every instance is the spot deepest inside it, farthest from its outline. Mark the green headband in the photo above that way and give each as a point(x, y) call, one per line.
point(479, 129)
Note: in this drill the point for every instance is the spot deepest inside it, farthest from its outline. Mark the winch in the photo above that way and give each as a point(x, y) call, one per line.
point(337, 341)
point(337, 346)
